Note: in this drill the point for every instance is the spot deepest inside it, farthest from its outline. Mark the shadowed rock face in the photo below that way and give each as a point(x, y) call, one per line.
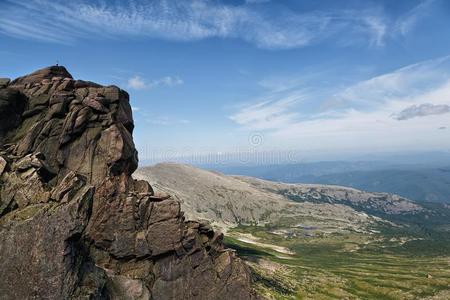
point(74, 224)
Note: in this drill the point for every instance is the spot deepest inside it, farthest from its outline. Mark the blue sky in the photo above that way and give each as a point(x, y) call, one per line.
point(320, 77)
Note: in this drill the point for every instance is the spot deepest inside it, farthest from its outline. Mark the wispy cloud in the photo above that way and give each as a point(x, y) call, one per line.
point(137, 83)
point(377, 29)
point(280, 28)
point(408, 21)
point(422, 110)
point(405, 82)
point(364, 113)
point(269, 114)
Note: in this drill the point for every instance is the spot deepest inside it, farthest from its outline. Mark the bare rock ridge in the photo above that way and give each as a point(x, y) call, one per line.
point(74, 224)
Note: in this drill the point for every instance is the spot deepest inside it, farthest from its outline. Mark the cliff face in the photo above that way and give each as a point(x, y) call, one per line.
point(74, 224)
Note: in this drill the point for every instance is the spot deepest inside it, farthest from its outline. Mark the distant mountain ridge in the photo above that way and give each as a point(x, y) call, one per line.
point(425, 185)
point(232, 200)
point(420, 182)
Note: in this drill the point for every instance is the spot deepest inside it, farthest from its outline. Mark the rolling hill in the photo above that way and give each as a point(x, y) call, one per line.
point(229, 201)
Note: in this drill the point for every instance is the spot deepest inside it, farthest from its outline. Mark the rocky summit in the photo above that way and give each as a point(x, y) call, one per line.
point(74, 224)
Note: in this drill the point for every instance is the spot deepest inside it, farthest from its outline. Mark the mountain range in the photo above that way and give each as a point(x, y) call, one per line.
point(419, 179)
point(241, 200)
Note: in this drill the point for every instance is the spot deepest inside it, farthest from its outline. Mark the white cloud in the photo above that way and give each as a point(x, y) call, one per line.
point(361, 116)
point(186, 20)
point(405, 82)
point(137, 83)
point(373, 130)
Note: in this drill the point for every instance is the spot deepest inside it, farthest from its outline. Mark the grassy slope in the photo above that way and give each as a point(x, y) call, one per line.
point(344, 266)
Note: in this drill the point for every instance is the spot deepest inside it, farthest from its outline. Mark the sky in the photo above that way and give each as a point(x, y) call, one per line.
point(322, 78)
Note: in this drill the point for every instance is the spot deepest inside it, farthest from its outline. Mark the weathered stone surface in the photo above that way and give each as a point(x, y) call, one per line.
point(95, 104)
point(74, 224)
point(40, 250)
point(126, 288)
point(4, 82)
point(42, 74)
point(2, 165)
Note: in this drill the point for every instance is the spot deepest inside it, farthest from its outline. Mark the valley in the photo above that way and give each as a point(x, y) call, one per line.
point(341, 266)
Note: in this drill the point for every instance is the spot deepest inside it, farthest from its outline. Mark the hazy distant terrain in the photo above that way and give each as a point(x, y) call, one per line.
point(237, 200)
point(421, 182)
point(431, 185)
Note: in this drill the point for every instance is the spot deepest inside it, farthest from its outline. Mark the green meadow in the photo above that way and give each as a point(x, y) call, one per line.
point(345, 265)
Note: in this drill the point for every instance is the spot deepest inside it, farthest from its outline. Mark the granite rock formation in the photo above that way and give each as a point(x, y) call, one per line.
point(73, 222)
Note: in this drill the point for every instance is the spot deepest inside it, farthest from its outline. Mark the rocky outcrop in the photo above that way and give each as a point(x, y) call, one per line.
point(74, 224)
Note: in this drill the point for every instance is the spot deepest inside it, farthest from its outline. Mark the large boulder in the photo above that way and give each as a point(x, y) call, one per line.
point(74, 224)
